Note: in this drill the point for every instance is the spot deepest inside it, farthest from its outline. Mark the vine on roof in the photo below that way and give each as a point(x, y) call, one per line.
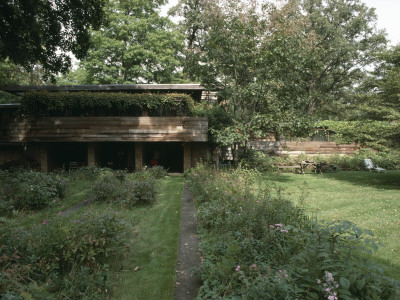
point(45, 104)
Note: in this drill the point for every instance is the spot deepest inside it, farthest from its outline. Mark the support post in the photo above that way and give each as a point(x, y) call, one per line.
point(139, 156)
point(43, 159)
point(91, 148)
point(187, 156)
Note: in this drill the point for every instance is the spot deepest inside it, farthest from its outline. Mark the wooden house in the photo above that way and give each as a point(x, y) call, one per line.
point(121, 141)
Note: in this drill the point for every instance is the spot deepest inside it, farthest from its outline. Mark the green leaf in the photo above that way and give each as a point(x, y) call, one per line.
point(344, 282)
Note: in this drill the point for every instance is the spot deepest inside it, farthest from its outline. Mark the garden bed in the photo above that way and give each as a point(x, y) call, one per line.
point(53, 251)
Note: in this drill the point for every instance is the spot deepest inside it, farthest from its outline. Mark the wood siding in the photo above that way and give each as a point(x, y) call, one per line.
point(308, 148)
point(106, 129)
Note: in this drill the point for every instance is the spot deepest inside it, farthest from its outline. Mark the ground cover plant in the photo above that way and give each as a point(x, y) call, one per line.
point(256, 244)
point(69, 251)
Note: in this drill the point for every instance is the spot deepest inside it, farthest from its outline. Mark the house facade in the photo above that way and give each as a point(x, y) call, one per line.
point(102, 138)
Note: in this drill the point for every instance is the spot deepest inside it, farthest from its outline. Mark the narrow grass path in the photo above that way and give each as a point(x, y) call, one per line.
point(370, 200)
point(148, 271)
point(76, 192)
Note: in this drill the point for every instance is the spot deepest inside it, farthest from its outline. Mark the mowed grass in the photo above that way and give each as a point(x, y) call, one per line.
point(371, 200)
point(148, 270)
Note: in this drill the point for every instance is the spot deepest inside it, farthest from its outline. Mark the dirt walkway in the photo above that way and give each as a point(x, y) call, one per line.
point(187, 281)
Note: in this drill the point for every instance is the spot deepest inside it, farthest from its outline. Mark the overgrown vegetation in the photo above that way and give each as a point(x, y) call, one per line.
point(67, 254)
point(40, 104)
point(28, 190)
point(256, 245)
point(118, 188)
point(60, 256)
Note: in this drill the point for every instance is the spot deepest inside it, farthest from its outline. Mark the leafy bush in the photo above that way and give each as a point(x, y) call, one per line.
point(117, 187)
point(61, 256)
point(26, 189)
point(89, 173)
point(256, 245)
point(157, 172)
point(264, 162)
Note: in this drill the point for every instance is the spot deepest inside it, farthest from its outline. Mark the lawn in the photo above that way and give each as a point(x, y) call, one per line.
point(371, 200)
point(155, 247)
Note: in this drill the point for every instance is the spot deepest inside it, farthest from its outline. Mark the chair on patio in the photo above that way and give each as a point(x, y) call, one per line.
point(370, 166)
point(73, 165)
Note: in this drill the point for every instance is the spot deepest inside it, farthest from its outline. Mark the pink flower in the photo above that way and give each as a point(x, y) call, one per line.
point(59, 213)
point(74, 221)
point(44, 222)
point(284, 231)
point(237, 268)
point(279, 225)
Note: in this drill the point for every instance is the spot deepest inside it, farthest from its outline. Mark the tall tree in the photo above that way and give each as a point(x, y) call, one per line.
point(347, 37)
point(44, 31)
point(137, 45)
point(276, 65)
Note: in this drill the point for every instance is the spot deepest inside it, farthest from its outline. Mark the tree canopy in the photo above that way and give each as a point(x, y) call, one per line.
point(44, 31)
point(275, 66)
point(137, 45)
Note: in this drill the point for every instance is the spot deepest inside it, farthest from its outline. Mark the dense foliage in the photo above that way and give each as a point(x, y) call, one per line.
point(379, 135)
point(136, 45)
point(40, 104)
point(35, 31)
point(127, 191)
point(255, 245)
point(276, 66)
point(28, 190)
point(60, 256)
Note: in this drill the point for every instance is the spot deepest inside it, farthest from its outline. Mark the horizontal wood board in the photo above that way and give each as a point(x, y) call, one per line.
point(103, 129)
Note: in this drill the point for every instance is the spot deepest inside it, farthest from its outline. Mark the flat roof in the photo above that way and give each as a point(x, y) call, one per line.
point(20, 89)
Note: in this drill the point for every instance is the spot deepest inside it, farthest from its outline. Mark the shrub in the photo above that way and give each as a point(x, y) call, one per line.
point(60, 256)
point(157, 172)
point(264, 162)
point(117, 187)
point(107, 188)
point(26, 189)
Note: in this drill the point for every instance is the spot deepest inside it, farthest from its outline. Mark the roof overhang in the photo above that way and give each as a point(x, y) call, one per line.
point(183, 88)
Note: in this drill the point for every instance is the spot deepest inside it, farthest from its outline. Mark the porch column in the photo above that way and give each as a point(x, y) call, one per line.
point(139, 156)
point(43, 159)
point(91, 155)
point(187, 156)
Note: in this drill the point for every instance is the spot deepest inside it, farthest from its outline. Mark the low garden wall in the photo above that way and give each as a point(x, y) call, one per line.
point(307, 148)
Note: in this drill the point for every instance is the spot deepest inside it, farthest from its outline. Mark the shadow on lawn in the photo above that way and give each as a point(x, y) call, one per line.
point(388, 181)
point(390, 268)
